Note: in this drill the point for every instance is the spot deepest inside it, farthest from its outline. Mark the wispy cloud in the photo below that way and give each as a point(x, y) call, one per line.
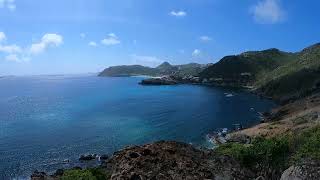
point(268, 12)
point(10, 48)
point(9, 4)
point(46, 41)
point(110, 40)
point(92, 43)
point(205, 38)
point(151, 61)
point(2, 37)
point(17, 58)
point(196, 52)
point(181, 51)
point(178, 13)
point(12, 57)
point(83, 35)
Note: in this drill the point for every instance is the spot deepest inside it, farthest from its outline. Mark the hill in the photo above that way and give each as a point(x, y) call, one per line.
point(280, 75)
point(129, 70)
point(165, 68)
point(295, 79)
point(247, 68)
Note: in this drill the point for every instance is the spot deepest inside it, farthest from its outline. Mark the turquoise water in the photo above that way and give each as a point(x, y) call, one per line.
point(46, 119)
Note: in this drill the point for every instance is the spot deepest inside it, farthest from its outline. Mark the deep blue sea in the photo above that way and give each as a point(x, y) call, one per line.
point(47, 119)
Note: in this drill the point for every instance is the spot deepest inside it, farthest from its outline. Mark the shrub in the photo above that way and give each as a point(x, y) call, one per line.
point(86, 174)
point(272, 156)
point(308, 145)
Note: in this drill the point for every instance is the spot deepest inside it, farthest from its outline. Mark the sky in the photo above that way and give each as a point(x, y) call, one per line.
point(84, 36)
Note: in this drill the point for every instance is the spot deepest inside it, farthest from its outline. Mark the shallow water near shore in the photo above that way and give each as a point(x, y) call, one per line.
point(45, 120)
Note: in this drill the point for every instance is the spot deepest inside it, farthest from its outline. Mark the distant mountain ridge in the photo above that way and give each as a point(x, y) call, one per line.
point(163, 69)
point(280, 75)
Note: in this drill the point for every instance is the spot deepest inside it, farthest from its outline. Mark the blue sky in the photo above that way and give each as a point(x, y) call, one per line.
point(79, 36)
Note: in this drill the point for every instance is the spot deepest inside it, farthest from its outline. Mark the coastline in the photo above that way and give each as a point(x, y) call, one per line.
point(224, 87)
point(273, 127)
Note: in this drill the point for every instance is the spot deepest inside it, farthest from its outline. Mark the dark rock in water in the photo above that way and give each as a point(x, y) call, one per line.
point(66, 161)
point(36, 175)
point(159, 81)
point(87, 157)
point(104, 157)
point(59, 172)
point(172, 160)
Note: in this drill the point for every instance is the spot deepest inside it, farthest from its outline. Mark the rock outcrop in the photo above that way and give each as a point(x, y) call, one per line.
point(172, 160)
point(306, 171)
point(159, 81)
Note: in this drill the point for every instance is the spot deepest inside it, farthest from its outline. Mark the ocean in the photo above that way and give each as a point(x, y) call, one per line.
point(48, 120)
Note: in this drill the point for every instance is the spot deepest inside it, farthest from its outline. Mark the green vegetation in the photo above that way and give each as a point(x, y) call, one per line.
point(308, 145)
point(276, 153)
point(132, 70)
point(163, 69)
point(281, 75)
point(257, 63)
point(86, 174)
point(261, 154)
point(294, 79)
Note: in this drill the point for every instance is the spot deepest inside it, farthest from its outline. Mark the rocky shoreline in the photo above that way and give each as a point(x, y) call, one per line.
point(164, 160)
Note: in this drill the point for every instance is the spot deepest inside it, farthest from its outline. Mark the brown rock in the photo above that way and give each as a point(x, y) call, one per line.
point(173, 160)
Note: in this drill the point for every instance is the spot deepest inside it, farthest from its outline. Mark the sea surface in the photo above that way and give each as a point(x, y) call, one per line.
point(47, 120)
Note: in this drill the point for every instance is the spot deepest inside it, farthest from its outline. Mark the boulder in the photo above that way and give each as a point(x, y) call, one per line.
point(172, 160)
point(104, 157)
point(88, 157)
point(239, 138)
point(59, 172)
point(36, 175)
point(309, 170)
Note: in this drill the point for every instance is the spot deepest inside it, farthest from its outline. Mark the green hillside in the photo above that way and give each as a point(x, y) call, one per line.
point(130, 70)
point(280, 75)
point(294, 79)
point(254, 64)
point(165, 68)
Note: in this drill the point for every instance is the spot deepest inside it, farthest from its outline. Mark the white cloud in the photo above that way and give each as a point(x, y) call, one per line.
point(178, 13)
point(92, 43)
point(196, 52)
point(46, 41)
point(146, 60)
point(10, 4)
point(205, 38)
point(2, 36)
point(83, 35)
point(111, 39)
point(17, 54)
point(12, 57)
point(268, 12)
point(15, 58)
point(10, 48)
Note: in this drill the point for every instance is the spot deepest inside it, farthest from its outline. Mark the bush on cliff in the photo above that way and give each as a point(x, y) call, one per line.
point(85, 174)
point(272, 156)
